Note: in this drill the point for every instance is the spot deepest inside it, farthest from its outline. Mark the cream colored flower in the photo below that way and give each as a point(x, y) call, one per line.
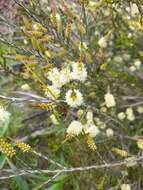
point(59, 78)
point(118, 59)
point(92, 130)
point(89, 116)
point(131, 161)
point(54, 76)
point(109, 132)
point(103, 109)
point(140, 144)
point(78, 71)
point(121, 115)
point(132, 68)
point(25, 87)
point(130, 114)
point(4, 115)
point(140, 109)
point(65, 76)
point(52, 92)
point(75, 128)
point(109, 100)
point(102, 42)
point(92, 4)
point(134, 9)
point(125, 187)
point(137, 64)
point(44, 1)
point(74, 98)
point(25, 41)
point(35, 26)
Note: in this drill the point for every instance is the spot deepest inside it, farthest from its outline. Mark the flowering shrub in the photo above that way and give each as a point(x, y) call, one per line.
point(76, 71)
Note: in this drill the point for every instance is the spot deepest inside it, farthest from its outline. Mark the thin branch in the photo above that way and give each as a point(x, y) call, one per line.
point(67, 170)
point(27, 10)
point(133, 105)
point(47, 182)
point(14, 99)
point(29, 97)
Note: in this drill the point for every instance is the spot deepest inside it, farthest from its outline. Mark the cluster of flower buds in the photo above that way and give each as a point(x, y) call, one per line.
point(23, 146)
point(7, 148)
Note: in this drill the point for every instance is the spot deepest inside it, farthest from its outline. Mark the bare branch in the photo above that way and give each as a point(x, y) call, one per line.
point(67, 170)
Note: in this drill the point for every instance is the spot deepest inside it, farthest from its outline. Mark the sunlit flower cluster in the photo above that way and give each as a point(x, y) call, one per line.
point(90, 127)
point(121, 116)
point(102, 42)
point(76, 71)
point(86, 57)
point(136, 65)
point(4, 116)
point(92, 130)
point(75, 128)
point(55, 76)
point(109, 100)
point(125, 187)
point(74, 98)
point(129, 114)
point(52, 92)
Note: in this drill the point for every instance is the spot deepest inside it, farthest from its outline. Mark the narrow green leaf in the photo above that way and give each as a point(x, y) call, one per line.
point(21, 182)
point(2, 161)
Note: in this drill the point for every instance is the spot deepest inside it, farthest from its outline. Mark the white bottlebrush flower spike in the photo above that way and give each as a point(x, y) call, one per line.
point(25, 87)
point(75, 128)
point(4, 115)
point(130, 114)
point(137, 64)
point(125, 187)
point(109, 132)
point(25, 41)
point(74, 98)
point(140, 109)
point(132, 68)
point(35, 26)
point(92, 130)
point(59, 78)
point(92, 3)
point(54, 77)
point(102, 42)
point(134, 9)
point(121, 116)
point(52, 92)
point(89, 116)
point(79, 71)
point(131, 161)
point(65, 76)
point(109, 100)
